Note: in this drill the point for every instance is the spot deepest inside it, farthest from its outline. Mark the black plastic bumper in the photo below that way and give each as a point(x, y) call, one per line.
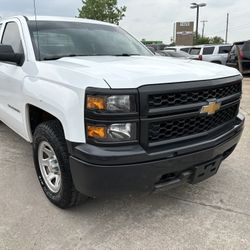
point(100, 171)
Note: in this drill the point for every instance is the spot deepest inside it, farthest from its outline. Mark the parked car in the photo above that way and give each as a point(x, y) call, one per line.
point(211, 53)
point(156, 47)
point(179, 48)
point(108, 117)
point(239, 56)
point(152, 49)
point(171, 53)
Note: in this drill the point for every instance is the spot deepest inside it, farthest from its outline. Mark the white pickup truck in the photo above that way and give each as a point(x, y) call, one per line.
point(106, 116)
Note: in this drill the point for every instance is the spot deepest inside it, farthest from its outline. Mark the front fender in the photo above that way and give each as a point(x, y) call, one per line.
point(66, 103)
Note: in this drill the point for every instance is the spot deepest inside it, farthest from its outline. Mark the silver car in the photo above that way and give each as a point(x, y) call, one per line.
point(211, 53)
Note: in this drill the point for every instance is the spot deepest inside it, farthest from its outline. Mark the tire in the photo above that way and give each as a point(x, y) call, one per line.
point(51, 161)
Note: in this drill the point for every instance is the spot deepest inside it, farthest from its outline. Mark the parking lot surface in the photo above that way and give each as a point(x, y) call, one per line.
point(212, 215)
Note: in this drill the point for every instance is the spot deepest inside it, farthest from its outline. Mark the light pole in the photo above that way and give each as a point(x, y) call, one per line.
point(227, 27)
point(197, 6)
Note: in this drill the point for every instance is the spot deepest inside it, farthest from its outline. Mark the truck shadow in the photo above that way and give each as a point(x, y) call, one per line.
point(16, 149)
point(136, 207)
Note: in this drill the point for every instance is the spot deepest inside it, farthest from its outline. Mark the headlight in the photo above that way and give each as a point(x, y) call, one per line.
point(111, 116)
point(118, 132)
point(114, 103)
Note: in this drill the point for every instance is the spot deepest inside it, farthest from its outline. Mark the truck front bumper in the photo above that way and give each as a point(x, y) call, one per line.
point(98, 171)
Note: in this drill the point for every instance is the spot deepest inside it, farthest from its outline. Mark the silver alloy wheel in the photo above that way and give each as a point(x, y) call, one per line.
point(49, 167)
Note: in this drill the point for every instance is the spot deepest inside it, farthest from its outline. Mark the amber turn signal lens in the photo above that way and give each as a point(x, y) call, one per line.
point(96, 132)
point(95, 102)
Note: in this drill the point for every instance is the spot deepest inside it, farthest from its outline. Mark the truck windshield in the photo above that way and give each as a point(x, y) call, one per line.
point(54, 40)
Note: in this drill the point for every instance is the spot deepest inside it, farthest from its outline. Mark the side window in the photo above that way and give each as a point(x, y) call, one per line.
point(195, 51)
point(208, 50)
point(224, 49)
point(246, 46)
point(11, 36)
point(185, 50)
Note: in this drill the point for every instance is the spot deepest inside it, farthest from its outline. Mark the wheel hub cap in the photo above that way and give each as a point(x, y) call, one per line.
point(49, 167)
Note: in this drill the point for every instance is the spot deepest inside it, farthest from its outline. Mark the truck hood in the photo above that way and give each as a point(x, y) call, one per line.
point(135, 71)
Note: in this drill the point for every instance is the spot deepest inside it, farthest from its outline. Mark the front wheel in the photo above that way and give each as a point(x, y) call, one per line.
point(52, 165)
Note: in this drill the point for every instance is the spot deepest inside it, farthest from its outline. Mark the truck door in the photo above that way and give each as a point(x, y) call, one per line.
point(11, 79)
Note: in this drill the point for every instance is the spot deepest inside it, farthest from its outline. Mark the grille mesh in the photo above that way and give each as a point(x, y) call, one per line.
point(189, 97)
point(172, 129)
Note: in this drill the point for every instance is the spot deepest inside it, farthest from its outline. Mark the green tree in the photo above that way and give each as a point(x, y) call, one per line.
point(216, 40)
point(102, 10)
point(208, 40)
point(202, 40)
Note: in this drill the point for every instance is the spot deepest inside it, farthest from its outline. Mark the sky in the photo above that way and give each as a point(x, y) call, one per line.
point(152, 19)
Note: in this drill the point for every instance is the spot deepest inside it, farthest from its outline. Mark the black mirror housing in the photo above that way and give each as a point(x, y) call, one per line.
point(7, 54)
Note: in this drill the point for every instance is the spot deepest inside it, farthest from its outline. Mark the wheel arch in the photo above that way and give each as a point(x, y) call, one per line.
point(36, 115)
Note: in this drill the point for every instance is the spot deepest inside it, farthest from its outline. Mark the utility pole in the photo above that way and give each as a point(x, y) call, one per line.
point(227, 28)
point(197, 6)
point(203, 27)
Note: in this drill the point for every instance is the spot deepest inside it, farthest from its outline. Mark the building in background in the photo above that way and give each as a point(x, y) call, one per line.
point(184, 33)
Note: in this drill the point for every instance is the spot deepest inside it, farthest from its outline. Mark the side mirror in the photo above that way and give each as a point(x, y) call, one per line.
point(7, 54)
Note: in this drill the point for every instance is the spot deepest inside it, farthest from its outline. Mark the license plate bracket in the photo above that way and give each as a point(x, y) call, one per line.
point(205, 171)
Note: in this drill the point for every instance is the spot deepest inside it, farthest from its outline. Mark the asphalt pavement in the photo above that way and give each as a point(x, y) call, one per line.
point(214, 214)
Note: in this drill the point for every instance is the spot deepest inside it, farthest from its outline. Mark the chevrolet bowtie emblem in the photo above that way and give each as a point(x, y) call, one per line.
point(211, 108)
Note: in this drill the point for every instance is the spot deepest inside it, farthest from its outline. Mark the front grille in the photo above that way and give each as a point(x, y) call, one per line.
point(171, 113)
point(172, 129)
point(189, 97)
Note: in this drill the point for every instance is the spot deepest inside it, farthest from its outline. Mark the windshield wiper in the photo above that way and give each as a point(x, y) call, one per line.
point(57, 57)
point(123, 54)
point(127, 54)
